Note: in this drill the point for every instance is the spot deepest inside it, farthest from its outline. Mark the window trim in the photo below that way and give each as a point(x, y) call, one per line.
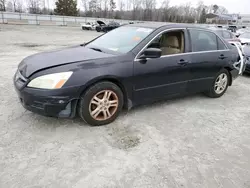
point(166, 30)
point(186, 53)
point(209, 32)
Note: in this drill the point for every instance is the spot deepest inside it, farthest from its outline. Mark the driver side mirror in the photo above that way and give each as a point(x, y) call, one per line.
point(151, 53)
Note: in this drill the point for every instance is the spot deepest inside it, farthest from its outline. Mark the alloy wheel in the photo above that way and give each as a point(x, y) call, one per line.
point(103, 105)
point(221, 83)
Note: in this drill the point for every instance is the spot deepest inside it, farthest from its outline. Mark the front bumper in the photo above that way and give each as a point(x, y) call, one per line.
point(53, 103)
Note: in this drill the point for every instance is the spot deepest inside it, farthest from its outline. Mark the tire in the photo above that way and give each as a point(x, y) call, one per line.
point(214, 92)
point(89, 104)
point(98, 29)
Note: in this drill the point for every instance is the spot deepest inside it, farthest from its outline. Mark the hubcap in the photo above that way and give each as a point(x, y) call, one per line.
point(103, 105)
point(220, 83)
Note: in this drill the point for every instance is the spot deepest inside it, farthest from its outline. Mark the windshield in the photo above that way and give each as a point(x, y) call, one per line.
point(245, 35)
point(121, 40)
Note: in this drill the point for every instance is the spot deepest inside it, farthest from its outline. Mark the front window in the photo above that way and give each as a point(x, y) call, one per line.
point(120, 40)
point(170, 42)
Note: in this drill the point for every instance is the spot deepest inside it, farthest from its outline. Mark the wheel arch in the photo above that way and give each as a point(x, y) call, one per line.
point(127, 102)
point(230, 75)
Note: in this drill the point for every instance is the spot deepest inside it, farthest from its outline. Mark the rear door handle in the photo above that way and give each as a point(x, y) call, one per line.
point(183, 62)
point(222, 56)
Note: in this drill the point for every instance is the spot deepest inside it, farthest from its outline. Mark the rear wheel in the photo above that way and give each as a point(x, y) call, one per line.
point(101, 104)
point(220, 84)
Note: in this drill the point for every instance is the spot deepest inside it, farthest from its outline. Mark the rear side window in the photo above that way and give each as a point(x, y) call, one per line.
point(227, 35)
point(203, 40)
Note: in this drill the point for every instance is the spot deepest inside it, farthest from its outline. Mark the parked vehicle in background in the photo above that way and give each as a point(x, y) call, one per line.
point(225, 34)
point(245, 41)
point(88, 26)
point(232, 28)
point(246, 51)
point(132, 65)
point(241, 31)
point(245, 38)
point(102, 27)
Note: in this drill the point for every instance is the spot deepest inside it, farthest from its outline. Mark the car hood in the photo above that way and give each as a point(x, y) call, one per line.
point(44, 60)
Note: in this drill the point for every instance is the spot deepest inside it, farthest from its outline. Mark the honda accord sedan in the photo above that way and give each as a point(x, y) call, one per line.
point(128, 66)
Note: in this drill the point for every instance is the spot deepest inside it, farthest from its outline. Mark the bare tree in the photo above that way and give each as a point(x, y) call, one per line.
point(112, 6)
point(9, 7)
point(148, 7)
point(3, 5)
point(222, 10)
point(34, 6)
point(135, 7)
point(85, 4)
point(165, 10)
point(105, 3)
point(19, 6)
point(121, 5)
point(199, 8)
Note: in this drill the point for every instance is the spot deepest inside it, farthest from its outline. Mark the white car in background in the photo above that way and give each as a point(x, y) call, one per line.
point(88, 26)
point(245, 38)
point(241, 31)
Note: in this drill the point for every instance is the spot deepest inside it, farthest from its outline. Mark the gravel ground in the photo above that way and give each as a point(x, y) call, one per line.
point(188, 142)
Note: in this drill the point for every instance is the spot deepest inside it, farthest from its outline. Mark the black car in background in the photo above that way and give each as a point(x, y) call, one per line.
point(102, 27)
point(232, 28)
point(149, 62)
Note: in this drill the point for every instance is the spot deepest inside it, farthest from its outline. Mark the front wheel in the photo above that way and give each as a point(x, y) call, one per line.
point(101, 104)
point(220, 84)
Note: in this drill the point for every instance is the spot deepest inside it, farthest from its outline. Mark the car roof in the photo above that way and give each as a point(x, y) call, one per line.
point(156, 25)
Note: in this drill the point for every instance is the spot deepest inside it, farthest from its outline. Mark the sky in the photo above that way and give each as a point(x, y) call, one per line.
point(233, 6)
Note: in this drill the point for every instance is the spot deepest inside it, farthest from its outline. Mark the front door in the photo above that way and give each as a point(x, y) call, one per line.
point(165, 76)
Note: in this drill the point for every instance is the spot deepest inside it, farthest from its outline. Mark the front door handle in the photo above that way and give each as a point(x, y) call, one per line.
point(183, 62)
point(222, 56)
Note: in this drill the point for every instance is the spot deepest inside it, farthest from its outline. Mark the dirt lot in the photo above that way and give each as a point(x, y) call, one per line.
point(190, 142)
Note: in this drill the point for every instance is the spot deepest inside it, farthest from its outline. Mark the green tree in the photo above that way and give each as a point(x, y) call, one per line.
point(203, 16)
point(66, 8)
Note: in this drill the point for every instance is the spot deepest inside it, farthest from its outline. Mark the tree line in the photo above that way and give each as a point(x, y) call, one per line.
point(146, 10)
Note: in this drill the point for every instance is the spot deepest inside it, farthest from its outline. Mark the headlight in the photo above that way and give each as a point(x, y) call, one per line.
point(50, 81)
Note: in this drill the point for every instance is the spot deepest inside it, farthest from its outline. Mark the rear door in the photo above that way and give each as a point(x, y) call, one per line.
point(209, 54)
